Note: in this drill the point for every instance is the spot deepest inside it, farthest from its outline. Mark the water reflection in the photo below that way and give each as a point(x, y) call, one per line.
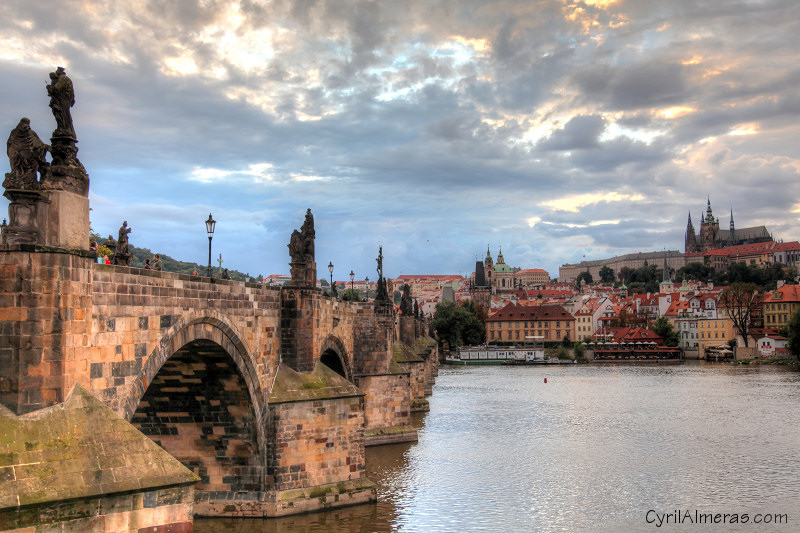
point(592, 449)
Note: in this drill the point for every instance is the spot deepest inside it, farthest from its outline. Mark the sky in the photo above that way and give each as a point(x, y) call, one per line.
point(556, 130)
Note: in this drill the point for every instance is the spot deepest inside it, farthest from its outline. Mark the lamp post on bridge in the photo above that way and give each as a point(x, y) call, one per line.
point(330, 269)
point(210, 223)
point(351, 279)
point(366, 286)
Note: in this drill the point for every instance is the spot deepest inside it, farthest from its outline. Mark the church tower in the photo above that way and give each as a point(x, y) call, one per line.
point(708, 230)
point(488, 267)
point(732, 239)
point(691, 238)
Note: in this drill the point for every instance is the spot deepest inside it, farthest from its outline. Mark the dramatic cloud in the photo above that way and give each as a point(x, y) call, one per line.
point(556, 129)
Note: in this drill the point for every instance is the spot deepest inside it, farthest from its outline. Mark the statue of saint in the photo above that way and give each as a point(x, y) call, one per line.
point(62, 98)
point(301, 243)
point(111, 243)
point(122, 240)
point(26, 153)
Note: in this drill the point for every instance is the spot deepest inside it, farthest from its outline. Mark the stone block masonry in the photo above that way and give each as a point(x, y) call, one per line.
point(194, 364)
point(316, 429)
point(45, 316)
point(80, 467)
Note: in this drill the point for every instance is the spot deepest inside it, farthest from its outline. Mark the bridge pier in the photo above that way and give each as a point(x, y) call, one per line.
point(45, 314)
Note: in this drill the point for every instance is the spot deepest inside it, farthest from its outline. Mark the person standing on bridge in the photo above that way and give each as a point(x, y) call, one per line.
point(157, 264)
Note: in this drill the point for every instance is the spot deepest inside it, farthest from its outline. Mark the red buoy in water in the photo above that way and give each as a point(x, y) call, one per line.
point(545, 380)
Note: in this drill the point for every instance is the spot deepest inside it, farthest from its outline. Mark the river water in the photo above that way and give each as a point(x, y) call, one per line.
point(595, 448)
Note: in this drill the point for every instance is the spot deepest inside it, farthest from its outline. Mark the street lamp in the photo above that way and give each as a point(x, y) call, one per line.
point(366, 286)
point(210, 223)
point(330, 269)
point(351, 279)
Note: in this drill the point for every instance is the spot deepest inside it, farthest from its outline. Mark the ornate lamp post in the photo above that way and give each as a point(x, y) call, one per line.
point(210, 223)
point(351, 279)
point(366, 286)
point(330, 269)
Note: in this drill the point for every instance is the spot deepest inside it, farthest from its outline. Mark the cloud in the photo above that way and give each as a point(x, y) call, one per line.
point(430, 127)
point(580, 133)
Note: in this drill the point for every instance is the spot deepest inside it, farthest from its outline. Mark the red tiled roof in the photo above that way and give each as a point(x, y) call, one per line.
point(786, 246)
point(526, 312)
point(676, 307)
point(788, 293)
point(750, 249)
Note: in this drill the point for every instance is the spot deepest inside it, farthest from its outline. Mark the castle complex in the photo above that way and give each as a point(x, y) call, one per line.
point(712, 237)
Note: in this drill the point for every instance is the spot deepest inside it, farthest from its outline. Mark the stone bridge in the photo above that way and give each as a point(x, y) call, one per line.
point(265, 393)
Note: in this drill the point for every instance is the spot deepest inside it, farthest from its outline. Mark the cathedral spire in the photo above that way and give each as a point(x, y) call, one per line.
point(691, 237)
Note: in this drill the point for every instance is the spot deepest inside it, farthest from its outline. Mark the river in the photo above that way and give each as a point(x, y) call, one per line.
point(595, 448)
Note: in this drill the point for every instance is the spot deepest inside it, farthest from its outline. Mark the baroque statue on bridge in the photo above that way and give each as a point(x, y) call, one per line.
point(301, 244)
point(67, 172)
point(301, 251)
point(381, 295)
point(62, 98)
point(122, 256)
point(26, 154)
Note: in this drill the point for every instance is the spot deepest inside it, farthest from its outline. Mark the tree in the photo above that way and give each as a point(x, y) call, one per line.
point(625, 274)
point(580, 351)
point(459, 324)
point(740, 299)
point(793, 332)
point(351, 295)
point(696, 271)
point(606, 274)
point(584, 276)
point(791, 274)
point(664, 329)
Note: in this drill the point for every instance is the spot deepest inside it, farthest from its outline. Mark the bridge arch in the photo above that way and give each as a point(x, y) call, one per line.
point(199, 396)
point(334, 355)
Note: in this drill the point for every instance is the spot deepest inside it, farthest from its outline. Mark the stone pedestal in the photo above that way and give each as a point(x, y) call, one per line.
point(304, 274)
point(299, 317)
point(25, 213)
point(66, 220)
point(66, 171)
point(408, 334)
